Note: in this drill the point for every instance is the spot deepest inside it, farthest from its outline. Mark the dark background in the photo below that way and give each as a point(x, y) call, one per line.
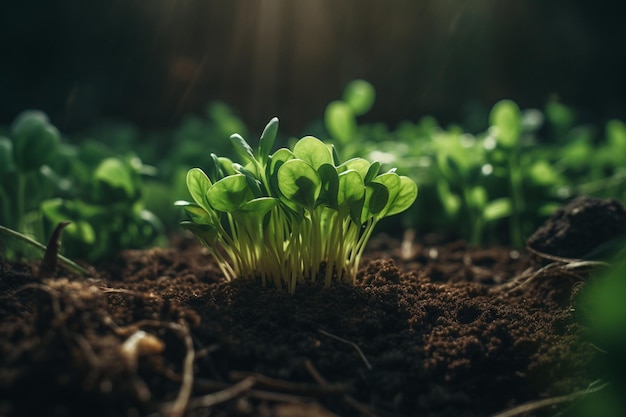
point(151, 61)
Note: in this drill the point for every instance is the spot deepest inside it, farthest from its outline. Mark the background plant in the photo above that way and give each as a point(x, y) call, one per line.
point(47, 180)
point(292, 216)
point(497, 184)
point(31, 143)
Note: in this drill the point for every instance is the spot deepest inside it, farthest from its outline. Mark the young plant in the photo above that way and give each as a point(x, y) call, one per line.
point(31, 144)
point(107, 208)
point(292, 216)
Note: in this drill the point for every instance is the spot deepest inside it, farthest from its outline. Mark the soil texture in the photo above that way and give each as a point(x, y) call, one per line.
point(429, 330)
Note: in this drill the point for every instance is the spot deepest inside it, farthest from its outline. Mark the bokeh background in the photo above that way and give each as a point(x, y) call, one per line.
point(151, 61)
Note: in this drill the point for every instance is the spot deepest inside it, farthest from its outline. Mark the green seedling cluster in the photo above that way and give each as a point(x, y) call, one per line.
point(45, 181)
point(31, 143)
point(294, 215)
point(496, 185)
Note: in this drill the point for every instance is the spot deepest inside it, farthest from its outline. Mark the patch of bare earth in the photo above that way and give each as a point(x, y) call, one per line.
point(428, 330)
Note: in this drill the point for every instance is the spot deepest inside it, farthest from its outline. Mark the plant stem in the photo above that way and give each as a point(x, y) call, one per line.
point(517, 199)
point(20, 203)
point(68, 263)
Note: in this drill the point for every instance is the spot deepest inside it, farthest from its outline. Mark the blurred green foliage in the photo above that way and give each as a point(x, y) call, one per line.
point(491, 186)
point(497, 185)
point(46, 180)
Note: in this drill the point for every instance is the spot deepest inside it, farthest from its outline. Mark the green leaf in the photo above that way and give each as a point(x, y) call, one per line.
point(330, 185)
point(57, 210)
point(542, 173)
point(351, 188)
point(404, 198)
point(360, 96)
point(278, 158)
point(6, 155)
point(116, 174)
point(376, 199)
point(267, 139)
point(259, 206)
point(450, 201)
point(229, 193)
point(506, 116)
point(198, 185)
point(299, 182)
point(195, 212)
point(478, 197)
point(253, 183)
point(498, 209)
point(35, 140)
point(227, 167)
point(616, 135)
point(275, 162)
point(450, 168)
point(204, 231)
point(313, 151)
point(392, 183)
point(359, 165)
point(215, 169)
point(340, 121)
point(372, 172)
point(242, 147)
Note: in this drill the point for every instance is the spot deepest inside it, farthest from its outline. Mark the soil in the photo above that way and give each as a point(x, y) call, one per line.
point(430, 329)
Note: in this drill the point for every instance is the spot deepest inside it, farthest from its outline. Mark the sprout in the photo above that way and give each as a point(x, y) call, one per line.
point(292, 216)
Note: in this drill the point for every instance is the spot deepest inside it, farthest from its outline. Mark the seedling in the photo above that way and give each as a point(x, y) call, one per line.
point(31, 144)
point(292, 216)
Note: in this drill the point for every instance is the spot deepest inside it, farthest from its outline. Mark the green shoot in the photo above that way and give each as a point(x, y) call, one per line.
point(292, 216)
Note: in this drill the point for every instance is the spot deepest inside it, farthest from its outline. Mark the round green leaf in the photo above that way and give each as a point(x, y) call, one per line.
point(340, 121)
point(35, 140)
point(360, 165)
point(259, 206)
point(196, 213)
point(276, 160)
point(299, 183)
point(330, 184)
point(391, 181)
point(117, 175)
point(229, 193)
point(198, 185)
point(312, 150)
point(360, 95)
point(372, 172)
point(6, 155)
point(404, 198)
point(507, 117)
point(376, 199)
point(498, 209)
point(351, 188)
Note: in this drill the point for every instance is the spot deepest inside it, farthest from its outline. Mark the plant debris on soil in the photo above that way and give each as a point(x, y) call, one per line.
point(428, 330)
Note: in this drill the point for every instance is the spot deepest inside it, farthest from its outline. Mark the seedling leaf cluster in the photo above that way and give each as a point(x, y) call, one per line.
point(497, 182)
point(44, 181)
point(294, 215)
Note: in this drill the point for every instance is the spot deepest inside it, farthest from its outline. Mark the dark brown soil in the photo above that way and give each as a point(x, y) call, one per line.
point(430, 330)
point(583, 228)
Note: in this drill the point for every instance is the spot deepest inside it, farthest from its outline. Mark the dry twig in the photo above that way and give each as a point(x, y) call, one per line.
point(309, 390)
point(354, 345)
point(531, 406)
point(348, 399)
point(222, 396)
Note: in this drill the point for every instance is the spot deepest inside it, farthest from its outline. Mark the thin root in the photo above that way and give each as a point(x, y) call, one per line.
point(354, 345)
